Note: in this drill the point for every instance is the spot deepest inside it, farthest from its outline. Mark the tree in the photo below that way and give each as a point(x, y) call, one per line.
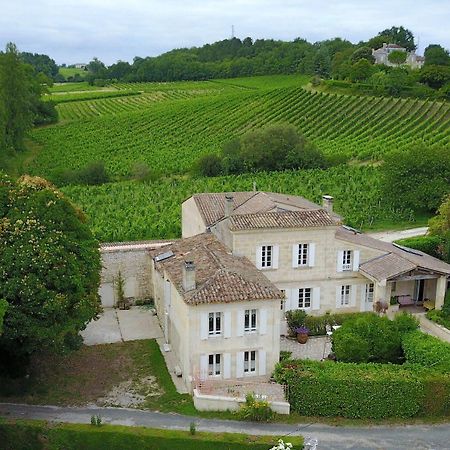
point(96, 70)
point(407, 181)
point(361, 71)
point(400, 36)
point(435, 76)
point(397, 57)
point(322, 62)
point(208, 165)
point(362, 53)
point(41, 64)
point(49, 269)
point(439, 226)
point(3, 308)
point(436, 55)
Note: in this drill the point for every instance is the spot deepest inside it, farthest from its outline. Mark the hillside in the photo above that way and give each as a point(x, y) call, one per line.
point(168, 125)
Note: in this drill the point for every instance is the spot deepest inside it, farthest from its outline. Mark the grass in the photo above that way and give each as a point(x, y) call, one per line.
point(71, 71)
point(31, 435)
point(74, 87)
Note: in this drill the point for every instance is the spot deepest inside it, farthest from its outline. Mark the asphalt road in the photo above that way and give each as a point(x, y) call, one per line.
point(410, 437)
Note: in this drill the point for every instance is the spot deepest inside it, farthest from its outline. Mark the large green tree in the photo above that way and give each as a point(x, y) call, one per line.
point(49, 269)
point(439, 226)
point(417, 178)
point(397, 57)
point(436, 55)
point(400, 36)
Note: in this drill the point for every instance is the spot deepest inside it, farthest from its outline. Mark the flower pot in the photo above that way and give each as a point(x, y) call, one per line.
point(302, 338)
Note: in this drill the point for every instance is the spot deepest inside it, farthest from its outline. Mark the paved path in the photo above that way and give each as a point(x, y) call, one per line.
point(361, 438)
point(427, 326)
point(391, 236)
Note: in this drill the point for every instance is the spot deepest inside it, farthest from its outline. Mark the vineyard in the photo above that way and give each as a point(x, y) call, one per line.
point(169, 125)
point(133, 210)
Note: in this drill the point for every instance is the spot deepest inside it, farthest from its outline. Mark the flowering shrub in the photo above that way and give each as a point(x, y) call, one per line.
point(255, 410)
point(281, 445)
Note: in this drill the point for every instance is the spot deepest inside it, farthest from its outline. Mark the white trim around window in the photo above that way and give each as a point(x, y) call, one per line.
point(303, 255)
point(250, 320)
point(304, 298)
point(267, 256)
point(214, 324)
point(215, 365)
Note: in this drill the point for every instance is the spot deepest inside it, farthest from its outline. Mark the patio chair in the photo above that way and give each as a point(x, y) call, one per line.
point(429, 304)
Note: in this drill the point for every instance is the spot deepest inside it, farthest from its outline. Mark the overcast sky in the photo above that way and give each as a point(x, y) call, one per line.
point(73, 31)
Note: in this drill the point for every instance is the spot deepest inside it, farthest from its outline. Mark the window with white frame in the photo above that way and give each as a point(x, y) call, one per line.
point(345, 295)
point(267, 256)
point(214, 365)
point(250, 320)
point(303, 254)
point(250, 361)
point(369, 292)
point(304, 298)
point(347, 260)
point(215, 323)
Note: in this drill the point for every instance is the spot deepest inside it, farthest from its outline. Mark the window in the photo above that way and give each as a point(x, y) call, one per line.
point(267, 256)
point(304, 298)
point(347, 260)
point(214, 365)
point(250, 361)
point(345, 295)
point(369, 293)
point(303, 250)
point(215, 323)
point(250, 320)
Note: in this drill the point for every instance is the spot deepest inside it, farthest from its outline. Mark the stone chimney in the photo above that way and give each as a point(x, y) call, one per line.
point(228, 205)
point(188, 276)
point(327, 203)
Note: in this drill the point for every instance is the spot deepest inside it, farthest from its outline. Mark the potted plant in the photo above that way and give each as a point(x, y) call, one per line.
point(302, 334)
point(394, 306)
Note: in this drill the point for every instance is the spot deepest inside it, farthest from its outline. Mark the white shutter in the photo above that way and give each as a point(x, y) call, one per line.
point(312, 255)
point(262, 321)
point(203, 367)
point(356, 261)
point(340, 258)
point(316, 299)
point(338, 296)
point(353, 295)
point(239, 364)
point(295, 256)
point(262, 362)
point(240, 323)
point(227, 365)
point(227, 324)
point(276, 254)
point(204, 326)
point(287, 301)
point(259, 257)
point(362, 306)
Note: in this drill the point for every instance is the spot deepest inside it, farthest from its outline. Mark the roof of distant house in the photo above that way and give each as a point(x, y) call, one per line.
point(395, 260)
point(263, 210)
point(220, 276)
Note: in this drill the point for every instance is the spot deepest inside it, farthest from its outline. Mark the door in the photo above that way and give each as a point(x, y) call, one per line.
point(419, 290)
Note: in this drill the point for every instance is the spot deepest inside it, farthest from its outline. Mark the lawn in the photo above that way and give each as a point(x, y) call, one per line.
point(71, 71)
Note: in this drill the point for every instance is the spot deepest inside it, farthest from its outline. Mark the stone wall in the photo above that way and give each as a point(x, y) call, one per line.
point(133, 261)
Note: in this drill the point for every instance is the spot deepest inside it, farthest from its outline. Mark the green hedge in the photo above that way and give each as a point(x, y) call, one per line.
point(426, 244)
point(34, 435)
point(372, 391)
point(426, 350)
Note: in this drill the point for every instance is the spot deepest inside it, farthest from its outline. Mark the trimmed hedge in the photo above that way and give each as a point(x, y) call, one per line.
point(426, 350)
point(426, 244)
point(35, 435)
point(373, 391)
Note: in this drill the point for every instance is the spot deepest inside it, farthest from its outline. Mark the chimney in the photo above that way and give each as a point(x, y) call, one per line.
point(228, 205)
point(188, 276)
point(327, 203)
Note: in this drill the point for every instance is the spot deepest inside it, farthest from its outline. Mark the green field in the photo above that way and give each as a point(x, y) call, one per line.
point(169, 125)
point(71, 71)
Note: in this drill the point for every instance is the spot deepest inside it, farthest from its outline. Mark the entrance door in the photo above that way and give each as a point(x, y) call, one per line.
point(418, 290)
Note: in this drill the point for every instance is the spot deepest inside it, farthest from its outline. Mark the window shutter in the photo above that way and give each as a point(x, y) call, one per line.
point(340, 257)
point(316, 298)
point(262, 362)
point(295, 256)
point(204, 326)
point(338, 296)
point(276, 253)
point(362, 307)
point(353, 295)
point(227, 365)
point(287, 301)
point(356, 261)
point(311, 255)
point(227, 324)
point(203, 367)
point(262, 321)
point(240, 323)
point(239, 364)
point(259, 257)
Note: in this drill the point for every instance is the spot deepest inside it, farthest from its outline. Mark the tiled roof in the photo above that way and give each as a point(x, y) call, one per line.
point(285, 219)
point(394, 260)
point(132, 245)
point(220, 276)
point(212, 205)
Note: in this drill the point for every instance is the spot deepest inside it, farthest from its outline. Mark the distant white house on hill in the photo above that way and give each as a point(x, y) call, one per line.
point(381, 56)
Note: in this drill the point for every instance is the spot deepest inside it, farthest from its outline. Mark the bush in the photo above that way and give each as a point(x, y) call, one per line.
point(439, 317)
point(141, 172)
point(426, 244)
point(427, 351)
point(208, 166)
point(373, 391)
point(255, 410)
point(93, 174)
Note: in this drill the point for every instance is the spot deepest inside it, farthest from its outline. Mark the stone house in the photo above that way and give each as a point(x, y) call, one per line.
point(381, 56)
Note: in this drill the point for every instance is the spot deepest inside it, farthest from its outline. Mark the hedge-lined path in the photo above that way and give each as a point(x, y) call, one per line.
point(330, 437)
